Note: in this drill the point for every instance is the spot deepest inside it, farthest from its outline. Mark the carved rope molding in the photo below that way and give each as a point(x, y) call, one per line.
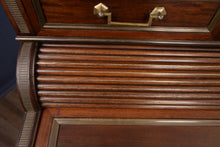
point(17, 16)
point(24, 76)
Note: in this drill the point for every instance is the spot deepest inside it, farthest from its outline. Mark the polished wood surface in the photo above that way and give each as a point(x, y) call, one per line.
point(179, 13)
point(139, 136)
point(26, 86)
point(125, 34)
point(191, 20)
point(128, 76)
point(176, 80)
point(72, 65)
point(114, 113)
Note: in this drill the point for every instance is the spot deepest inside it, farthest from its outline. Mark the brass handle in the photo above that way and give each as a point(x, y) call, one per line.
point(101, 10)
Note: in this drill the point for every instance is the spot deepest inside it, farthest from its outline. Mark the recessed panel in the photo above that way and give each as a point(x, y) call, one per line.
point(68, 132)
point(137, 136)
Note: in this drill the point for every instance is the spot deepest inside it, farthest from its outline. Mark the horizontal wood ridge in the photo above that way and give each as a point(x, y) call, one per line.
point(128, 77)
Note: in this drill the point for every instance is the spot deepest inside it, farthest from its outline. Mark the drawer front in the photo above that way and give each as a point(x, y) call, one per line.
point(179, 13)
point(195, 20)
point(71, 75)
point(185, 20)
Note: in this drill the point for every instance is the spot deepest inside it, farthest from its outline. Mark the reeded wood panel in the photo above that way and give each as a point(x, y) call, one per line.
point(128, 76)
point(179, 13)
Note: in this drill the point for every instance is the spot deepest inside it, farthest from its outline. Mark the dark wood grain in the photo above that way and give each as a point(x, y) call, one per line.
point(192, 16)
point(141, 136)
point(125, 34)
point(42, 136)
point(86, 69)
point(32, 16)
point(179, 13)
point(133, 113)
point(216, 32)
point(49, 113)
point(122, 76)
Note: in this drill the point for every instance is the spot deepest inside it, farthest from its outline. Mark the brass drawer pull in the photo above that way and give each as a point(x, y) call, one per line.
point(101, 10)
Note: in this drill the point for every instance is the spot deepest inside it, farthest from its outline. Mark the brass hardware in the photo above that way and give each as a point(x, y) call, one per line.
point(101, 10)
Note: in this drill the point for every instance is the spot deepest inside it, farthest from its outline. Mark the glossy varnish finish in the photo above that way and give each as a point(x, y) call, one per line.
point(189, 20)
point(195, 132)
point(85, 69)
point(134, 135)
point(128, 76)
point(180, 13)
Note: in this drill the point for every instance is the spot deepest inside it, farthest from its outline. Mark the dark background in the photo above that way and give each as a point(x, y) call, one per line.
point(8, 54)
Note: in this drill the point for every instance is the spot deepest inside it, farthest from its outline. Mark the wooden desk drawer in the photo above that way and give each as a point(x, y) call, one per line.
point(185, 20)
point(179, 13)
point(194, 20)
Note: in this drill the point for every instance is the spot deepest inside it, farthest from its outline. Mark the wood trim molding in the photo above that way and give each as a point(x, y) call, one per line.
point(151, 122)
point(43, 133)
point(39, 12)
point(214, 21)
point(24, 76)
point(54, 133)
point(116, 28)
point(28, 133)
point(119, 41)
point(25, 72)
point(17, 16)
point(106, 121)
point(45, 25)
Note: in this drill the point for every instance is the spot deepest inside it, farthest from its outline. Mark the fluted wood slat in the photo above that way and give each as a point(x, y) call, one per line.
point(91, 51)
point(126, 65)
point(130, 101)
point(125, 76)
point(143, 95)
point(128, 81)
point(128, 58)
point(138, 88)
point(127, 73)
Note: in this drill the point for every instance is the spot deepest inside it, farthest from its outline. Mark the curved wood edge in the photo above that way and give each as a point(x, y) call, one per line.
point(28, 132)
point(17, 30)
point(25, 76)
point(18, 16)
point(26, 86)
